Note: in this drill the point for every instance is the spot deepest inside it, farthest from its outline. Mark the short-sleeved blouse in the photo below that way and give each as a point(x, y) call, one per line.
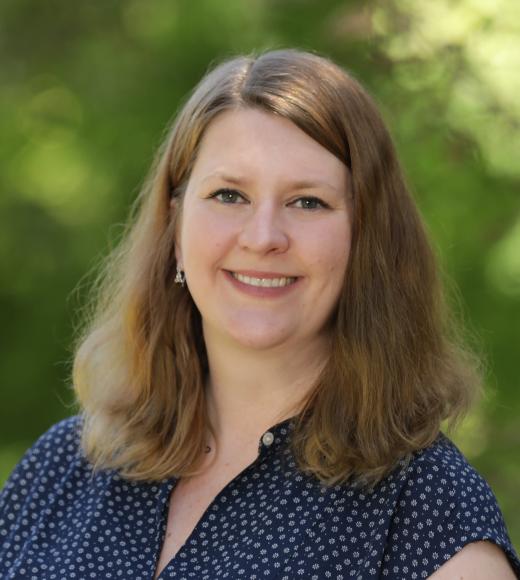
point(61, 520)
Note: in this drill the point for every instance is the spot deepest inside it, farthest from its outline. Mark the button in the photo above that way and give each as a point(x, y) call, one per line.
point(267, 438)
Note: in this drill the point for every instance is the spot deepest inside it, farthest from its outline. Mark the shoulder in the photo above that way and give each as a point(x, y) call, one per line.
point(60, 444)
point(444, 504)
point(447, 487)
point(43, 468)
point(60, 439)
point(440, 479)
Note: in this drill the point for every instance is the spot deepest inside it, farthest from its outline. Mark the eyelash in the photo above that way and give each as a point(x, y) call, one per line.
point(233, 192)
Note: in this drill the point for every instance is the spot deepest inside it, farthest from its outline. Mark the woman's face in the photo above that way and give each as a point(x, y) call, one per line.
point(265, 232)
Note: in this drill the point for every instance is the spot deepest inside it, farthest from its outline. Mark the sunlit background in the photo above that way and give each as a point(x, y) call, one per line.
point(87, 89)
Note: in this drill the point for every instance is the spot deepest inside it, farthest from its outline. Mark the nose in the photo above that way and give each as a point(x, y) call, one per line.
point(263, 231)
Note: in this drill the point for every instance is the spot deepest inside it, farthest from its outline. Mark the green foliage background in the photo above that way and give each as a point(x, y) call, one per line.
point(87, 89)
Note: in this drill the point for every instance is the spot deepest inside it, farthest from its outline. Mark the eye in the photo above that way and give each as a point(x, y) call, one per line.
point(228, 196)
point(309, 203)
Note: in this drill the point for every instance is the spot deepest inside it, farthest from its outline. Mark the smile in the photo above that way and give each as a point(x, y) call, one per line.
point(263, 282)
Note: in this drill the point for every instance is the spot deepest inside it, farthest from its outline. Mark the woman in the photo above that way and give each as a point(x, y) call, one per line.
point(263, 379)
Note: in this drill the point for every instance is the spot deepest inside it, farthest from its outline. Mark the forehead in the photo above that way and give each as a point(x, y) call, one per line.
point(248, 141)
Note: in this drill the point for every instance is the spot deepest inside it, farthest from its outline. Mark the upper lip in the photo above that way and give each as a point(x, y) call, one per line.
point(258, 274)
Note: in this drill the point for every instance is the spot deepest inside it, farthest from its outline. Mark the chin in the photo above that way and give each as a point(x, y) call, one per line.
point(262, 339)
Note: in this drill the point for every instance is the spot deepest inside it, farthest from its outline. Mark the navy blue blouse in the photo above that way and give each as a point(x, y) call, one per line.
point(60, 520)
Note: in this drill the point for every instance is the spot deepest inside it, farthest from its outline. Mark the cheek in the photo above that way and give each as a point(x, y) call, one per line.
point(341, 257)
point(204, 235)
point(329, 251)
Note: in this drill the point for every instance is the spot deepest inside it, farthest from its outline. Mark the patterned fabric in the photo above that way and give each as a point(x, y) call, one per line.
point(59, 520)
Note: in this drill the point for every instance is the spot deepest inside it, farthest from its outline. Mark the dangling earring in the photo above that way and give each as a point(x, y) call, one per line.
point(180, 278)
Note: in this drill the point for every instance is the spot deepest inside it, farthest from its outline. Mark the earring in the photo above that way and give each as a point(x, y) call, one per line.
point(180, 278)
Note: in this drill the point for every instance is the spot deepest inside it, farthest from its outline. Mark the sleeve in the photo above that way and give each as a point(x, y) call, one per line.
point(444, 505)
point(33, 483)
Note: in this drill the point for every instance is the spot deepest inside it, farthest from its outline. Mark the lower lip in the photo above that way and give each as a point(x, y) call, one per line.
point(261, 291)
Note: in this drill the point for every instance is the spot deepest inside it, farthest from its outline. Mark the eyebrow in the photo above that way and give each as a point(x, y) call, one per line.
point(291, 186)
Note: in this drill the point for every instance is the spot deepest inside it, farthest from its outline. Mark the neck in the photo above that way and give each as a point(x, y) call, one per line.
point(250, 390)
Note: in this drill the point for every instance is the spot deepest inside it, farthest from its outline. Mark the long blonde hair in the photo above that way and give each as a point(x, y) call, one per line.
point(398, 366)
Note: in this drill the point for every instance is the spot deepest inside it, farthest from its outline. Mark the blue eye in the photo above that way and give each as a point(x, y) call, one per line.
point(309, 203)
point(228, 196)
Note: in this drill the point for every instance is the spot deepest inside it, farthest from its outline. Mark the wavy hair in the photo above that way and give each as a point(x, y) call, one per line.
point(398, 366)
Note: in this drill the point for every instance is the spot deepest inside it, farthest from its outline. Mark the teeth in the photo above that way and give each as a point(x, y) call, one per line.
point(264, 282)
